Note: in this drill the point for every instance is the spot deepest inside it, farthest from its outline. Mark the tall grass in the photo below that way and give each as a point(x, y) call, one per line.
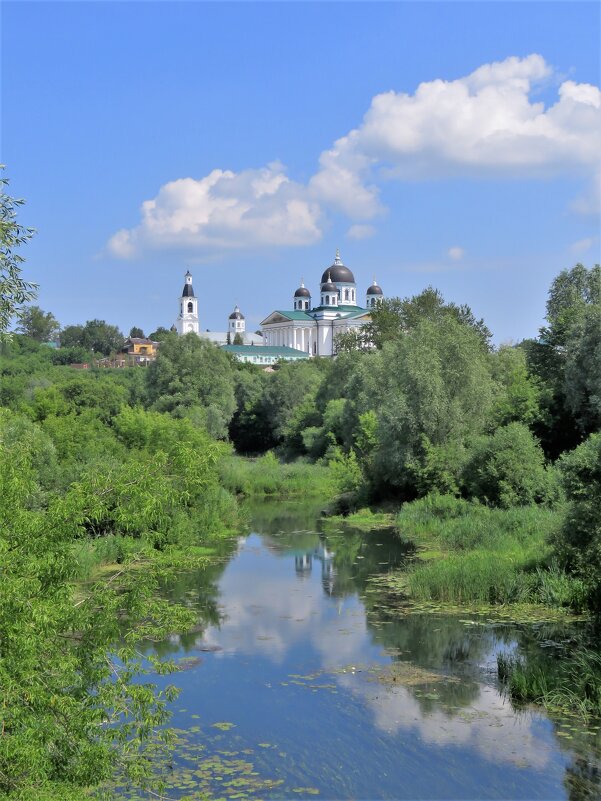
point(268, 476)
point(486, 555)
point(573, 684)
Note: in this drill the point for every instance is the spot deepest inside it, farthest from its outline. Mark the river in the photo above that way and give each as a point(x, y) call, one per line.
point(300, 685)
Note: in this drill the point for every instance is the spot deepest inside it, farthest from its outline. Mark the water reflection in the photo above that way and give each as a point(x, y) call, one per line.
point(298, 653)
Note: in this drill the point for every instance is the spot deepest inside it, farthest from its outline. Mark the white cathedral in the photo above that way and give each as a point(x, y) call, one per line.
point(306, 328)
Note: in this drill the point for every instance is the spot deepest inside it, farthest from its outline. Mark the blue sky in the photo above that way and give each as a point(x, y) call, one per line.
point(452, 144)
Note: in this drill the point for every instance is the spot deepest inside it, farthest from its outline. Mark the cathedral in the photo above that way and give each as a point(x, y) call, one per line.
point(305, 330)
point(313, 328)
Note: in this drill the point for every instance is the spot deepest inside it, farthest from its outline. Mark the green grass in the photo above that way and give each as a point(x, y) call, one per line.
point(268, 476)
point(573, 684)
point(363, 520)
point(473, 554)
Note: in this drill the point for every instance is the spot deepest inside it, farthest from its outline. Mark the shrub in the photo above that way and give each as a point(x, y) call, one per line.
point(508, 469)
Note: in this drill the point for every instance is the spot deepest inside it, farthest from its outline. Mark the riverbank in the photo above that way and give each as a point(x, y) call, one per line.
point(267, 476)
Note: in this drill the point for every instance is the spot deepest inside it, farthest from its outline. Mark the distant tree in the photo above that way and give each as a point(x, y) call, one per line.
point(136, 332)
point(238, 339)
point(190, 372)
point(96, 335)
point(39, 325)
point(228, 339)
point(14, 291)
point(160, 334)
point(394, 317)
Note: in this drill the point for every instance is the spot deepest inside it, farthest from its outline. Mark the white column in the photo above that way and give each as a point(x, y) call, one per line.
point(294, 337)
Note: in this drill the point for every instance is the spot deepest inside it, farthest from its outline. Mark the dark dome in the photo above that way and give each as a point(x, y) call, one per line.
point(188, 291)
point(236, 314)
point(328, 286)
point(302, 292)
point(374, 289)
point(338, 272)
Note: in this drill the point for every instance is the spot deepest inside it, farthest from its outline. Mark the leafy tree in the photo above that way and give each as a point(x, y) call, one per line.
point(72, 712)
point(191, 372)
point(582, 377)
point(434, 382)
point(250, 428)
point(507, 469)
point(39, 325)
point(136, 332)
point(393, 317)
point(238, 339)
point(519, 396)
point(160, 334)
point(95, 336)
point(14, 290)
point(579, 542)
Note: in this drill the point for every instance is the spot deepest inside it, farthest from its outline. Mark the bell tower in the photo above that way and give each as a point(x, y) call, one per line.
point(187, 319)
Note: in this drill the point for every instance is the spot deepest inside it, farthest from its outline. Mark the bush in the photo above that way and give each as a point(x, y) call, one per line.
point(578, 543)
point(508, 469)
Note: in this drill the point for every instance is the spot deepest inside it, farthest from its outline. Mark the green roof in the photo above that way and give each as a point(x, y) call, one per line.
point(279, 351)
point(294, 315)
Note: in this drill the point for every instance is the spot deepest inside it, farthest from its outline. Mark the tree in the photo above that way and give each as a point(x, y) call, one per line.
point(96, 335)
point(136, 332)
point(434, 383)
point(578, 544)
point(238, 339)
point(508, 469)
point(188, 373)
point(160, 334)
point(14, 290)
point(39, 325)
point(394, 317)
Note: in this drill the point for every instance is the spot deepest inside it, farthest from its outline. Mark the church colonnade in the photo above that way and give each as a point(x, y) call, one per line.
point(292, 336)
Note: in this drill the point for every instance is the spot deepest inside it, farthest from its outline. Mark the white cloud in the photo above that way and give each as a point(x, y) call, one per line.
point(483, 124)
point(360, 231)
point(456, 253)
point(224, 210)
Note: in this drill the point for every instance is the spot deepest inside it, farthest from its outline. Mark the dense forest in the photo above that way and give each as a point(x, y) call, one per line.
point(491, 454)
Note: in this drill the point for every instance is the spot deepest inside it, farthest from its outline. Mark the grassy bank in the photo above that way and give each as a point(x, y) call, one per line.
point(471, 553)
point(268, 476)
point(569, 684)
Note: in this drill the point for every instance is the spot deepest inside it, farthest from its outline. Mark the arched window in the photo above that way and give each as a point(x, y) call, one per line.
point(346, 294)
point(190, 307)
point(306, 304)
point(327, 300)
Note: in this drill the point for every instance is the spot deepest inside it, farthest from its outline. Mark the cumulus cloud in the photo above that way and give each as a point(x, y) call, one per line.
point(484, 124)
point(224, 209)
point(456, 253)
point(582, 245)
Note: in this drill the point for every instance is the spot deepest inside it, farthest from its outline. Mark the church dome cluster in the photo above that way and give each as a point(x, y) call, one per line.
point(338, 288)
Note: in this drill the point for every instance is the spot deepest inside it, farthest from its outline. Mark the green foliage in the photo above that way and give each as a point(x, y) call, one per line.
point(346, 471)
point(136, 332)
point(394, 317)
point(519, 398)
point(507, 469)
point(39, 325)
point(14, 290)
point(238, 340)
point(72, 710)
point(191, 372)
point(434, 382)
point(578, 544)
point(96, 336)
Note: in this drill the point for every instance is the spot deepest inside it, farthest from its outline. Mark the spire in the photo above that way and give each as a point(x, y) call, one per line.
point(330, 274)
point(337, 260)
point(302, 283)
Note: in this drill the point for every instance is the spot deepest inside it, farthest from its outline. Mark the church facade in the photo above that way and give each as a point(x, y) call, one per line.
point(304, 331)
point(313, 328)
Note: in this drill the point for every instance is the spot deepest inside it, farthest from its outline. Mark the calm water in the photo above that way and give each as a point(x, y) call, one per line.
point(317, 692)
